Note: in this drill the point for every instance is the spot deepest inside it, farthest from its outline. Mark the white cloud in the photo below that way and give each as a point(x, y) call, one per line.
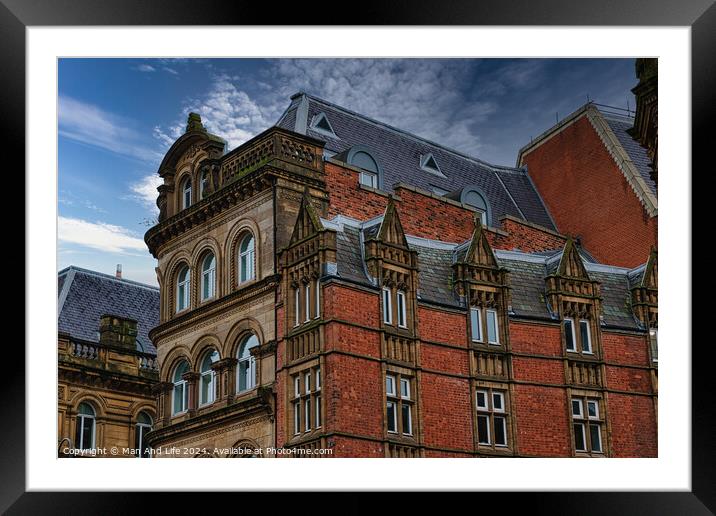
point(99, 235)
point(170, 70)
point(92, 125)
point(145, 192)
point(145, 68)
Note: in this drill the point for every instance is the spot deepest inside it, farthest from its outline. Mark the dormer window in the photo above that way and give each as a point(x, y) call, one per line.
point(474, 198)
point(321, 125)
point(429, 164)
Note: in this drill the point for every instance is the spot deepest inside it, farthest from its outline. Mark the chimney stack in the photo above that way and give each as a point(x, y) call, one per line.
point(118, 331)
point(119, 271)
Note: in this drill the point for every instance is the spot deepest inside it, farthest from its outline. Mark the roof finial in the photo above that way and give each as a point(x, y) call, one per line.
point(193, 123)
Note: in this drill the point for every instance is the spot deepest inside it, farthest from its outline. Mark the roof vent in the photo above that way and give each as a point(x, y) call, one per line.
point(321, 124)
point(430, 164)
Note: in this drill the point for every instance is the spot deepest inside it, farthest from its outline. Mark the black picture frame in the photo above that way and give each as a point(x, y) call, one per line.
point(700, 15)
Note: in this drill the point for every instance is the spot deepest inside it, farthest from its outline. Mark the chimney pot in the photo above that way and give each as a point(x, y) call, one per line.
point(119, 271)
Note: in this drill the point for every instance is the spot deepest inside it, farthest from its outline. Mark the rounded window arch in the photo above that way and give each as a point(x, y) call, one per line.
point(86, 427)
point(247, 258)
point(183, 288)
point(475, 197)
point(180, 392)
point(186, 193)
point(371, 172)
point(141, 429)
point(207, 390)
point(208, 276)
point(246, 371)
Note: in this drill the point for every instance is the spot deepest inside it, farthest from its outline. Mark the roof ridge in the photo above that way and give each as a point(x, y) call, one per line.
point(491, 166)
point(75, 269)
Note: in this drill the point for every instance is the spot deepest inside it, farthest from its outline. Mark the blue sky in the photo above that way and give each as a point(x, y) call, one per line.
point(117, 117)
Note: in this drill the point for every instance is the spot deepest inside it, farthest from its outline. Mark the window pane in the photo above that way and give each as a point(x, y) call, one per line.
point(407, 420)
point(401, 309)
point(318, 411)
point(475, 324)
point(390, 385)
point(392, 421)
point(87, 431)
point(296, 418)
point(497, 402)
point(584, 334)
point(206, 388)
point(481, 399)
point(500, 431)
point(308, 414)
point(404, 388)
point(569, 334)
point(178, 398)
point(296, 386)
point(387, 307)
point(577, 408)
point(318, 379)
point(596, 438)
point(653, 338)
point(483, 429)
point(492, 327)
point(307, 382)
point(579, 437)
point(592, 409)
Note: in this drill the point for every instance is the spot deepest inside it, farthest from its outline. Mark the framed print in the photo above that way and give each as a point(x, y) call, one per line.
point(365, 242)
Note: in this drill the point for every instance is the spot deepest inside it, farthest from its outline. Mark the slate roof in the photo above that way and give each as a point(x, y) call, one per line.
point(637, 153)
point(509, 191)
point(84, 296)
point(527, 274)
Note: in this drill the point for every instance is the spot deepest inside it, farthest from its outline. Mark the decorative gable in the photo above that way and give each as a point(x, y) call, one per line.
point(571, 265)
point(308, 223)
point(480, 252)
point(644, 295)
point(391, 230)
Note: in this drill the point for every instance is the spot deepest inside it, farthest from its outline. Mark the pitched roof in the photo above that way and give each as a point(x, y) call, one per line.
point(84, 296)
point(509, 190)
point(619, 125)
point(527, 273)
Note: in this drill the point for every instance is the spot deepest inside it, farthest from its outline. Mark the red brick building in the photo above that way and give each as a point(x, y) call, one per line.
point(403, 300)
point(598, 183)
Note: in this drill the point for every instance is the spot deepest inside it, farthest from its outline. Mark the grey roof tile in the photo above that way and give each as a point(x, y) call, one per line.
point(398, 153)
point(636, 152)
point(92, 294)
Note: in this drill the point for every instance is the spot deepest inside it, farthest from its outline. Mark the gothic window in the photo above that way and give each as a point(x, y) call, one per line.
point(246, 375)
point(207, 390)
point(578, 339)
point(399, 404)
point(247, 252)
point(306, 400)
point(587, 423)
point(143, 426)
point(85, 434)
point(180, 392)
point(492, 417)
point(186, 193)
point(208, 277)
point(183, 288)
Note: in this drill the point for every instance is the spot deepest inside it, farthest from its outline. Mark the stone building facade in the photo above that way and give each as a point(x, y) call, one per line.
point(339, 284)
point(107, 364)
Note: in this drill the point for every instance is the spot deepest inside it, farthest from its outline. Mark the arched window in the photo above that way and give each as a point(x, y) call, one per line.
point(207, 391)
point(246, 375)
point(85, 435)
point(247, 253)
point(186, 193)
point(370, 170)
point(208, 277)
point(203, 184)
point(183, 288)
point(472, 196)
point(141, 429)
point(180, 392)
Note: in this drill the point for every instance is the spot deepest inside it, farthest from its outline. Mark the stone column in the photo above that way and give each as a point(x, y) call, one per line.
point(192, 381)
point(225, 373)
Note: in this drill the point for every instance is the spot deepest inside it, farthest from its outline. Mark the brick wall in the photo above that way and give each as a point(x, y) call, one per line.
point(587, 195)
point(426, 216)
